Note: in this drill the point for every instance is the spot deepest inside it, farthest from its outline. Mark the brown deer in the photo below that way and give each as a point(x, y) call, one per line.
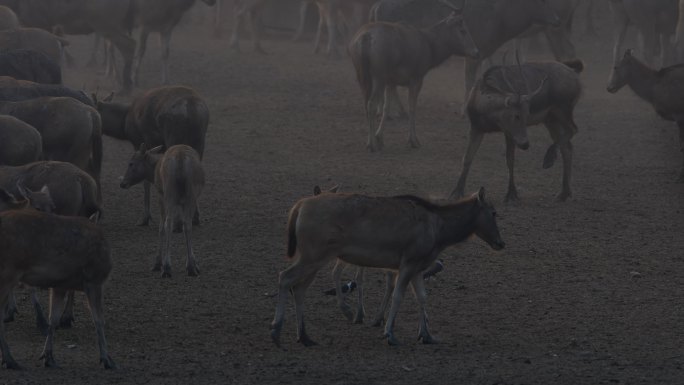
point(13, 90)
point(405, 234)
point(660, 88)
point(26, 64)
point(162, 116)
point(36, 39)
point(64, 253)
point(504, 101)
point(387, 55)
point(179, 178)
point(20, 143)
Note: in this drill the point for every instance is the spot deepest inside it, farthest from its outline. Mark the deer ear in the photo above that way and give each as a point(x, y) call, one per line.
point(156, 150)
point(317, 190)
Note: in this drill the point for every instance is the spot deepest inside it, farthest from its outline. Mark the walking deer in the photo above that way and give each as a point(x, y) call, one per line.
point(405, 234)
point(387, 55)
point(63, 253)
point(504, 101)
point(660, 88)
point(179, 178)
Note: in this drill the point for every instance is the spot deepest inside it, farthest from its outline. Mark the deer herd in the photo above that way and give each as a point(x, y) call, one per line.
point(51, 147)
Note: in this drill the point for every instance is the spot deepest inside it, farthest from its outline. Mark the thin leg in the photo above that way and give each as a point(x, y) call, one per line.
point(473, 146)
point(165, 39)
point(414, 90)
point(389, 287)
point(512, 194)
point(238, 14)
point(561, 130)
point(56, 306)
point(6, 286)
point(566, 154)
point(372, 144)
point(67, 319)
point(331, 20)
point(418, 285)
point(162, 238)
point(360, 311)
point(191, 263)
point(10, 309)
point(681, 146)
point(320, 27)
point(396, 101)
point(166, 257)
point(402, 281)
point(145, 219)
point(142, 47)
point(380, 143)
point(621, 22)
point(299, 291)
point(341, 297)
point(218, 31)
point(303, 8)
point(471, 67)
point(41, 322)
point(95, 302)
point(92, 62)
point(255, 30)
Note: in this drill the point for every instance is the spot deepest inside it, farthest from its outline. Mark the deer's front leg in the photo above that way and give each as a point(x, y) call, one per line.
point(473, 146)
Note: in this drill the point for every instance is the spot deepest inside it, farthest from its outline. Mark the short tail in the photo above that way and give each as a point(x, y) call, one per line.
point(359, 51)
point(292, 232)
point(97, 153)
point(577, 65)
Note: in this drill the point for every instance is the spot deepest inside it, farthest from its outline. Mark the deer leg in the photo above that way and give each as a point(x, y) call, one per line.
point(470, 73)
point(10, 309)
point(67, 319)
point(389, 287)
point(165, 39)
point(566, 154)
point(650, 45)
point(560, 43)
point(191, 263)
point(512, 194)
point(42, 323)
point(414, 90)
point(238, 14)
point(372, 144)
point(590, 28)
point(394, 100)
point(303, 8)
point(621, 22)
point(299, 291)
point(418, 284)
point(331, 21)
point(166, 243)
point(402, 281)
point(473, 145)
point(561, 131)
point(6, 286)
point(56, 306)
point(145, 219)
point(162, 238)
point(92, 62)
point(218, 31)
point(360, 310)
point(95, 301)
point(383, 118)
point(681, 146)
point(255, 31)
point(667, 53)
point(341, 297)
point(319, 28)
point(142, 47)
point(125, 45)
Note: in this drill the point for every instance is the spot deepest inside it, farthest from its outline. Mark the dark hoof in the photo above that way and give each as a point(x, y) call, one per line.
point(428, 340)
point(358, 320)
point(42, 325)
point(347, 312)
point(193, 271)
point(414, 143)
point(166, 272)
point(306, 341)
point(550, 157)
point(563, 196)
point(391, 340)
point(275, 334)
point(108, 363)
point(11, 365)
point(144, 221)
point(49, 361)
point(378, 322)
point(66, 322)
point(9, 317)
point(177, 228)
point(512, 196)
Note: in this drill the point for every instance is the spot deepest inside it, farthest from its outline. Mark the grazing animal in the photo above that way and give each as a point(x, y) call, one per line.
point(503, 101)
point(179, 178)
point(34, 39)
point(661, 88)
point(8, 19)
point(160, 16)
point(387, 55)
point(491, 23)
point(20, 143)
point(66, 190)
point(656, 21)
point(61, 253)
point(34, 66)
point(251, 10)
point(330, 12)
point(71, 130)
point(111, 19)
point(161, 116)
point(405, 234)
point(13, 90)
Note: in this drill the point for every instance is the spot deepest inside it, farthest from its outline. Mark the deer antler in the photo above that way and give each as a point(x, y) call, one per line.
point(451, 5)
point(522, 73)
point(504, 69)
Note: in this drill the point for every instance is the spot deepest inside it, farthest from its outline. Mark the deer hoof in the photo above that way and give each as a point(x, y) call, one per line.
point(512, 196)
point(11, 364)
point(391, 340)
point(166, 272)
point(358, 320)
point(144, 221)
point(563, 196)
point(306, 341)
point(378, 322)
point(66, 322)
point(414, 143)
point(108, 363)
point(427, 339)
point(193, 271)
point(49, 360)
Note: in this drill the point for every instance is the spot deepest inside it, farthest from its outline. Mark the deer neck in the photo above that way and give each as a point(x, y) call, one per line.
point(642, 79)
point(458, 222)
point(153, 163)
point(441, 43)
point(114, 121)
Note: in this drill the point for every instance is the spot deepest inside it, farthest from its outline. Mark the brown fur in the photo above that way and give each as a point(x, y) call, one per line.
point(20, 143)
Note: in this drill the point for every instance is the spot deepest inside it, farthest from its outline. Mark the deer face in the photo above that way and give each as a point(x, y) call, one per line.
point(619, 75)
point(463, 40)
point(39, 200)
point(136, 171)
point(541, 12)
point(511, 117)
point(485, 224)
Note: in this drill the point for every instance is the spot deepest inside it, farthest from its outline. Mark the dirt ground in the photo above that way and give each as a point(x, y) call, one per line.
point(562, 304)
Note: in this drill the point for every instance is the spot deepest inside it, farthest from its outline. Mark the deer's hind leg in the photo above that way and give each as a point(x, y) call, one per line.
point(56, 306)
point(341, 297)
point(402, 282)
point(562, 129)
point(681, 146)
point(475, 140)
point(6, 286)
point(375, 94)
point(95, 302)
point(418, 284)
point(512, 194)
point(389, 287)
point(360, 310)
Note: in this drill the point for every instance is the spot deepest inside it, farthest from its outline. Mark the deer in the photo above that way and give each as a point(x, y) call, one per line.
point(36, 39)
point(64, 253)
point(179, 178)
point(249, 9)
point(64, 190)
point(405, 234)
point(8, 19)
point(160, 16)
point(657, 87)
point(387, 55)
point(26, 64)
point(20, 143)
point(13, 90)
point(503, 100)
point(491, 23)
point(165, 116)
point(71, 131)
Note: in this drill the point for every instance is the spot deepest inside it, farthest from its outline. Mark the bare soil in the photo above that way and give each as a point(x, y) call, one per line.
point(586, 292)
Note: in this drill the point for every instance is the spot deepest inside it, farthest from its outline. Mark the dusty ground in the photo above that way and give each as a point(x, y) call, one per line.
point(558, 306)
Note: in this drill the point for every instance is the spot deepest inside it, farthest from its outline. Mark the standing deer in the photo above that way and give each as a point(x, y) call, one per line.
point(26, 64)
point(387, 55)
point(661, 88)
point(162, 116)
point(405, 234)
point(63, 253)
point(503, 101)
point(20, 143)
point(179, 178)
point(251, 10)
